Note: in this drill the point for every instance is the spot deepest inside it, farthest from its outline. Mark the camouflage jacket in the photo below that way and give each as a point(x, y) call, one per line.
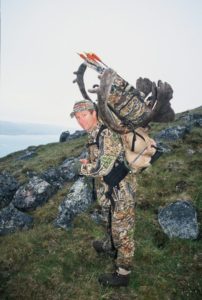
point(102, 158)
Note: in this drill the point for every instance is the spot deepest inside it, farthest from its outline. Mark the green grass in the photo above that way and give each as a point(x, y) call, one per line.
point(51, 263)
point(49, 155)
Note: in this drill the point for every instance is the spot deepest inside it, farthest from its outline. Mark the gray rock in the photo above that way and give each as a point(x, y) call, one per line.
point(70, 168)
point(67, 171)
point(190, 152)
point(172, 134)
point(33, 194)
point(12, 219)
point(53, 177)
point(192, 119)
point(66, 136)
point(78, 133)
point(8, 187)
point(27, 154)
point(198, 123)
point(78, 200)
point(179, 219)
point(163, 147)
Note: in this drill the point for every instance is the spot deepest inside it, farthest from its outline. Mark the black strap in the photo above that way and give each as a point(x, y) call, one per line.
point(157, 154)
point(133, 142)
point(118, 173)
point(108, 195)
point(110, 227)
point(140, 135)
point(102, 127)
point(134, 139)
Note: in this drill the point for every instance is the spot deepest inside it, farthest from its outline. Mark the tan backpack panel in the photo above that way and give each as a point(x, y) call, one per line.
point(144, 149)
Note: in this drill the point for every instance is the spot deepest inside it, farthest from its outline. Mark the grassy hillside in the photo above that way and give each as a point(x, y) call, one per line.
point(54, 264)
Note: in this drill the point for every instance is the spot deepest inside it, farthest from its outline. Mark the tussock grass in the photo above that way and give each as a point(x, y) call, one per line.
point(51, 263)
point(47, 156)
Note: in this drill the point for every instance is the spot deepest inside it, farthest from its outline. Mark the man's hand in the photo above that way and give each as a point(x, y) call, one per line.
point(84, 161)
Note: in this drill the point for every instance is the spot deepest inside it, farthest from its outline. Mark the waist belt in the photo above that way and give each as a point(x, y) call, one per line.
point(118, 173)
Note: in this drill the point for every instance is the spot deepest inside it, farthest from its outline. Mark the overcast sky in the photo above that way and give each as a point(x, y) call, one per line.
point(157, 39)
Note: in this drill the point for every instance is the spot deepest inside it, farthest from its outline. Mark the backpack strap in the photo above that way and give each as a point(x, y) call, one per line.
point(134, 139)
point(102, 127)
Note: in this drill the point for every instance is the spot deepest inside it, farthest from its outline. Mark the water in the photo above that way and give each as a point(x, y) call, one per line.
point(12, 143)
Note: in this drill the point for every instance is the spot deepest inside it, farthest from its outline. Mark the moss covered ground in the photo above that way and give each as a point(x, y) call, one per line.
point(50, 263)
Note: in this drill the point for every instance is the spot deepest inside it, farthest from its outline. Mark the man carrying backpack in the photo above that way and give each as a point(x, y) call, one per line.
point(115, 187)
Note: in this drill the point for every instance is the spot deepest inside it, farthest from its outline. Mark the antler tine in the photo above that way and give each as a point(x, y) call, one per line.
point(79, 80)
point(144, 85)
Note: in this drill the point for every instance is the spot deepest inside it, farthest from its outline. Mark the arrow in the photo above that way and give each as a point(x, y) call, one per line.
point(91, 62)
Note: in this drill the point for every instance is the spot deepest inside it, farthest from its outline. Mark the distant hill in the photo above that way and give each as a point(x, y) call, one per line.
point(12, 128)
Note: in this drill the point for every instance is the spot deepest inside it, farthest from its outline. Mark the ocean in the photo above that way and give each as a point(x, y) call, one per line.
point(12, 143)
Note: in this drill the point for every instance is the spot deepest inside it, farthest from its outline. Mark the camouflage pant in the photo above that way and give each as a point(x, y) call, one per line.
point(119, 219)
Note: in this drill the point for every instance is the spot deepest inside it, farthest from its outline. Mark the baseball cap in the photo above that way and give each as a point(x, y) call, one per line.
point(81, 106)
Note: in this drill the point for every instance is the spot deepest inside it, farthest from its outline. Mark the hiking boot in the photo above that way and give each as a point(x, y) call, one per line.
point(115, 279)
point(99, 248)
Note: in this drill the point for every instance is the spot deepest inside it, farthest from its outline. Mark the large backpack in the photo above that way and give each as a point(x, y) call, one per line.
point(128, 110)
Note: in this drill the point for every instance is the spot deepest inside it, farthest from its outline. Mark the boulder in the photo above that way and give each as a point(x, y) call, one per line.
point(8, 187)
point(179, 219)
point(67, 171)
point(77, 200)
point(12, 220)
point(66, 136)
point(53, 177)
point(77, 134)
point(33, 194)
point(70, 168)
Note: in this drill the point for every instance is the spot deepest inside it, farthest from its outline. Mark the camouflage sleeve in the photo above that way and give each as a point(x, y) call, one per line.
point(109, 149)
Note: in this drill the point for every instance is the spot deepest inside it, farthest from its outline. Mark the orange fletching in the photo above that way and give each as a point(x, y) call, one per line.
point(96, 57)
point(82, 56)
point(90, 56)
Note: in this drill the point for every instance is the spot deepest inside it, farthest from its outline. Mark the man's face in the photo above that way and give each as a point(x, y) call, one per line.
point(87, 119)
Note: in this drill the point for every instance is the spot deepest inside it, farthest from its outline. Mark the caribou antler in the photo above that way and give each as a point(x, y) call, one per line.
point(108, 113)
point(144, 85)
point(159, 100)
point(162, 111)
point(79, 80)
point(112, 104)
point(122, 107)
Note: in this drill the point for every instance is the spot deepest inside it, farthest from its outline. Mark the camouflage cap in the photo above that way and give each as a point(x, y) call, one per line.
point(81, 106)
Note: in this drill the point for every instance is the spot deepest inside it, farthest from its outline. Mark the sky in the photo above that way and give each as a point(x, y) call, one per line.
point(40, 40)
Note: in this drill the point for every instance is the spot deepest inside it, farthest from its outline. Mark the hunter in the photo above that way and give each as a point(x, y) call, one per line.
point(115, 188)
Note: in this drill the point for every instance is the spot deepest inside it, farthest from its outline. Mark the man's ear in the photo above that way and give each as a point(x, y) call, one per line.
point(94, 114)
